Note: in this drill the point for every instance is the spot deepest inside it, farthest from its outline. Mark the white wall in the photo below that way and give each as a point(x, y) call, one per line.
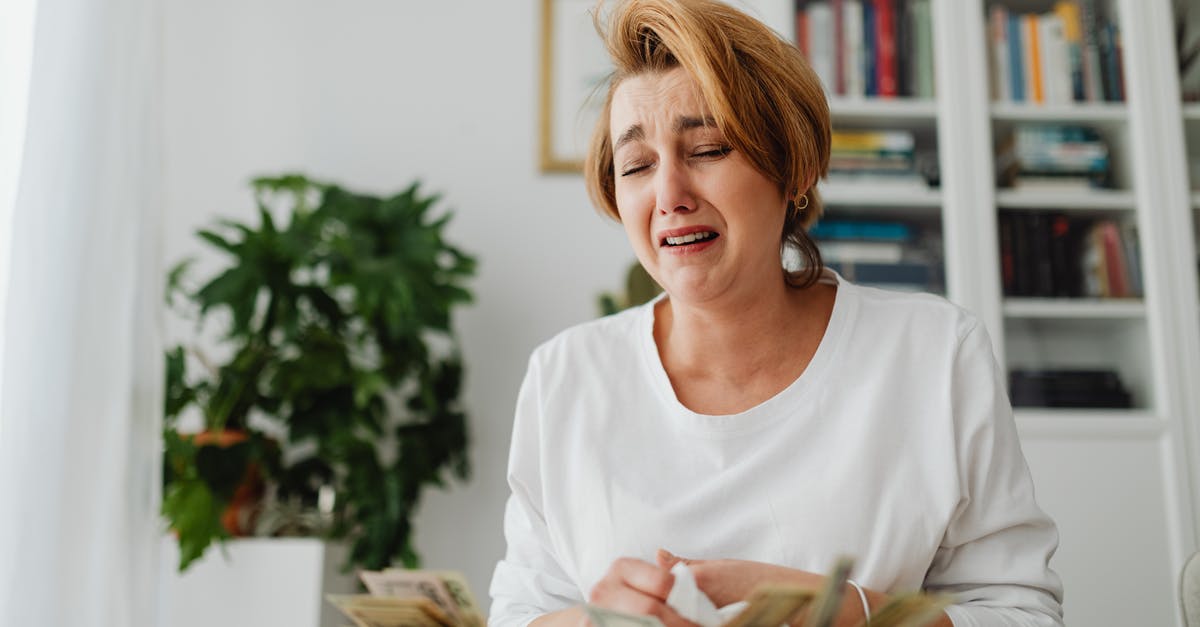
point(372, 94)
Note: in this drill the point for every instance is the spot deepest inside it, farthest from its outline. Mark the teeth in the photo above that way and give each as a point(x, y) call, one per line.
point(689, 238)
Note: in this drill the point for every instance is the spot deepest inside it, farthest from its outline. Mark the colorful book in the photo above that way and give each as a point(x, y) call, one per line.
point(1068, 11)
point(852, 40)
point(923, 44)
point(1033, 58)
point(1001, 76)
point(1016, 57)
point(885, 34)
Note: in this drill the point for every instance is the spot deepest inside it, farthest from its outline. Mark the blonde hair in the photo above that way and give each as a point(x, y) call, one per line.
point(763, 95)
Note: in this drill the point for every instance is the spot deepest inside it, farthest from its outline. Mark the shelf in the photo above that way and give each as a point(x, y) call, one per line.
point(876, 193)
point(1087, 200)
point(1095, 308)
point(883, 108)
point(1074, 113)
point(1191, 112)
point(1074, 423)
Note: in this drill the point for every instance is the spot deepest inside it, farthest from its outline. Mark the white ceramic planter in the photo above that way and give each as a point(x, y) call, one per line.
point(254, 582)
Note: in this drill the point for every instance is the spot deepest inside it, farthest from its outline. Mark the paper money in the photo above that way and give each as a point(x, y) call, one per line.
point(826, 608)
point(602, 617)
point(372, 611)
point(772, 606)
point(460, 594)
point(413, 584)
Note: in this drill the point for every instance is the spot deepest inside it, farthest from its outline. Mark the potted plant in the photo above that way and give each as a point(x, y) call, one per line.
point(336, 401)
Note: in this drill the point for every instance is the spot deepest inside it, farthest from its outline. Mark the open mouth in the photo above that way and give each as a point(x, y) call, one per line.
point(690, 238)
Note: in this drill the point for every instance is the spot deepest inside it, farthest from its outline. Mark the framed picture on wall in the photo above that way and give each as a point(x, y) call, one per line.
point(575, 68)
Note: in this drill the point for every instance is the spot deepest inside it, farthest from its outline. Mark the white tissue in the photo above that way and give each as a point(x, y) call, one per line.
point(687, 599)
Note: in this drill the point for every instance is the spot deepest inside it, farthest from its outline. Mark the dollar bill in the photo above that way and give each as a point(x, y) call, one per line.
point(413, 584)
point(826, 608)
point(372, 611)
point(601, 617)
point(772, 606)
point(460, 594)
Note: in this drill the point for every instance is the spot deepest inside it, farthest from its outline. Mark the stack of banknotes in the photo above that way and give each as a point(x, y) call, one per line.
point(779, 605)
point(411, 598)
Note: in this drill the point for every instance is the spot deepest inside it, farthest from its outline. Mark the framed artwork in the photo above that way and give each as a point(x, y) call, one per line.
point(575, 68)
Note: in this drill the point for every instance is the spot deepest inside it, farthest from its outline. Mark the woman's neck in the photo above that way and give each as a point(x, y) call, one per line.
point(740, 340)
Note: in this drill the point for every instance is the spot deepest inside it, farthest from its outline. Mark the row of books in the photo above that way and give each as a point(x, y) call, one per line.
point(1053, 255)
point(868, 48)
point(1071, 54)
point(892, 254)
point(1068, 388)
point(1053, 156)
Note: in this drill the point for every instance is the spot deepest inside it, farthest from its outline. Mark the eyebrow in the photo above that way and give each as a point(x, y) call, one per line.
point(682, 123)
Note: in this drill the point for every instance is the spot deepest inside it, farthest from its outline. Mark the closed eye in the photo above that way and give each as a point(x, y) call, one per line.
point(712, 152)
point(633, 169)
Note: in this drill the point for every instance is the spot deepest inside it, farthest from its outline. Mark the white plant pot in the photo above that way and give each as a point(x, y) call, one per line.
point(254, 582)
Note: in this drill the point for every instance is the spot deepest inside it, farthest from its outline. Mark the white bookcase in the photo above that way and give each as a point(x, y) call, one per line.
point(1123, 485)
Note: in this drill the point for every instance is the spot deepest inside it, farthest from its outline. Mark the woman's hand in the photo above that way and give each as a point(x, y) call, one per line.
point(728, 581)
point(636, 587)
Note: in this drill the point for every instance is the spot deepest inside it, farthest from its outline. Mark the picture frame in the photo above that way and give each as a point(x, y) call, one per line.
point(574, 69)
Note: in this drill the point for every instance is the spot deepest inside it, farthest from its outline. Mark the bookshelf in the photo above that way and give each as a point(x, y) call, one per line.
point(1145, 457)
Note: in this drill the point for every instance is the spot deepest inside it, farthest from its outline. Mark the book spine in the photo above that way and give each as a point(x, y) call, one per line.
point(1068, 12)
point(1004, 223)
point(1033, 59)
point(1060, 59)
point(852, 21)
point(905, 83)
point(1001, 76)
point(1016, 57)
point(1118, 61)
point(870, 45)
point(820, 31)
point(1133, 258)
point(1114, 255)
point(1022, 257)
point(1040, 255)
point(839, 48)
point(1093, 84)
point(923, 42)
point(885, 33)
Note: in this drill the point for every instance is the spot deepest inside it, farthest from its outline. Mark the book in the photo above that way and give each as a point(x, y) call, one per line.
point(1016, 57)
point(1069, 13)
point(1001, 76)
point(849, 251)
point(1082, 388)
point(1032, 53)
point(852, 55)
point(1092, 83)
point(886, 75)
point(821, 54)
point(922, 26)
point(870, 48)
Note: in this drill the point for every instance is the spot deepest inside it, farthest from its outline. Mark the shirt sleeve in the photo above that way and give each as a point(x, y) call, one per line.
point(995, 554)
point(530, 581)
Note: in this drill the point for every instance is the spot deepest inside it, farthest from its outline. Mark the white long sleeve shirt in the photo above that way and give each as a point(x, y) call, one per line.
point(896, 446)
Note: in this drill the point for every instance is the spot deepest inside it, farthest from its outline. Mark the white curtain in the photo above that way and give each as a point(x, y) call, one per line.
point(81, 388)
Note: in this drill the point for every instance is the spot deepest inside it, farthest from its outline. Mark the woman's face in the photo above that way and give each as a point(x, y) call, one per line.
point(704, 223)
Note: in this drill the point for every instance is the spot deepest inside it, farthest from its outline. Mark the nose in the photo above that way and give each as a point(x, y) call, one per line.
point(673, 188)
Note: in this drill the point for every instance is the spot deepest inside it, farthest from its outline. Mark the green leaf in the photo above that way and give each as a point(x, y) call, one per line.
point(195, 515)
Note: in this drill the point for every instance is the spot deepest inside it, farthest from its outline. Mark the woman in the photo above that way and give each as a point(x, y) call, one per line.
point(759, 421)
